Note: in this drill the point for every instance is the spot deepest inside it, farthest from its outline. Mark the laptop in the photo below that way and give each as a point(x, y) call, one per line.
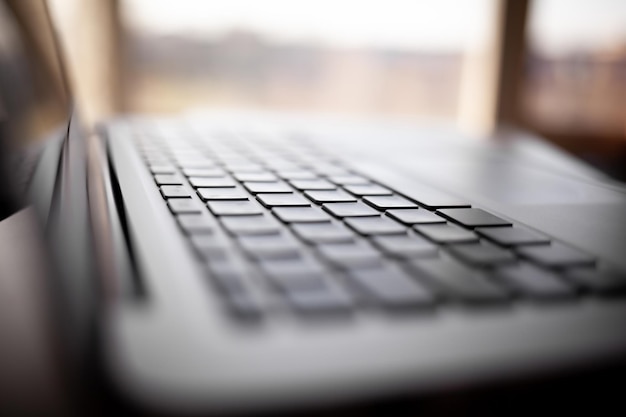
point(249, 262)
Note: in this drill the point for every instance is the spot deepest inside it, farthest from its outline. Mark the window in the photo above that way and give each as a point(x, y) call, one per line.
point(391, 57)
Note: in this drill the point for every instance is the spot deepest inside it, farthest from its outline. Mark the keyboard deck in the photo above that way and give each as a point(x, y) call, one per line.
point(271, 218)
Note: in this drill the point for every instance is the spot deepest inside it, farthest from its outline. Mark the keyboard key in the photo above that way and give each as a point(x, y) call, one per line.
point(473, 217)
point(175, 191)
point(350, 255)
point(254, 176)
point(162, 169)
point(243, 167)
point(300, 214)
point(297, 175)
point(375, 226)
point(323, 233)
point(433, 199)
point(168, 179)
point(415, 216)
point(208, 247)
point(603, 279)
point(271, 246)
point(513, 236)
point(369, 189)
point(319, 300)
point(251, 225)
point(535, 282)
point(446, 233)
point(184, 205)
point(329, 196)
point(267, 187)
point(292, 267)
point(283, 200)
point(459, 281)
point(195, 163)
point(555, 255)
point(222, 194)
point(482, 255)
point(234, 208)
point(391, 287)
point(389, 202)
point(348, 179)
point(195, 223)
point(350, 210)
point(206, 172)
point(318, 184)
point(406, 246)
point(244, 305)
point(206, 182)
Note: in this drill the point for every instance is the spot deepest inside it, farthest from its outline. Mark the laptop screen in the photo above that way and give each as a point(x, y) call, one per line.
point(34, 96)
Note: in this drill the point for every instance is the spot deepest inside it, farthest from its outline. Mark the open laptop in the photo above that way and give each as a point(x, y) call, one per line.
point(251, 262)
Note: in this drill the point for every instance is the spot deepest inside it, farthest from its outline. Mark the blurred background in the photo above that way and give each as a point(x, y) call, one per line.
point(555, 67)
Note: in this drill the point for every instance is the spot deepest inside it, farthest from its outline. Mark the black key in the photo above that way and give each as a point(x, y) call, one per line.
point(482, 255)
point(168, 179)
point(555, 255)
point(317, 184)
point(208, 247)
point(244, 167)
point(204, 172)
point(323, 233)
point(195, 163)
point(251, 225)
point(208, 194)
point(348, 179)
point(329, 196)
point(350, 210)
point(389, 202)
point(162, 169)
point(291, 267)
point(603, 279)
point(254, 176)
point(535, 282)
point(391, 287)
point(433, 199)
point(406, 246)
point(446, 233)
point(513, 236)
point(300, 214)
point(283, 200)
point(267, 187)
point(375, 226)
point(244, 306)
point(184, 205)
point(211, 182)
point(319, 300)
point(292, 274)
point(226, 278)
point(234, 208)
point(473, 217)
point(415, 216)
point(297, 175)
point(175, 191)
point(195, 223)
point(350, 255)
point(367, 189)
point(270, 246)
point(459, 281)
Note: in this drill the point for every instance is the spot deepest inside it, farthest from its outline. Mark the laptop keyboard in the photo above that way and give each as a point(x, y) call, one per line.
point(280, 225)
